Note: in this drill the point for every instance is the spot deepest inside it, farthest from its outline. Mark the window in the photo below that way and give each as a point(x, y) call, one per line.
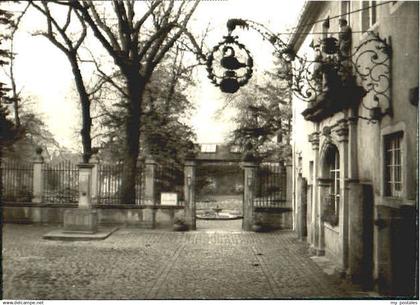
point(372, 13)
point(393, 174)
point(335, 180)
point(345, 10)
point(332, 201)
point(369, 14)
point(325, 27)
point(311, 171)
point(208, 148)
point(235, 149)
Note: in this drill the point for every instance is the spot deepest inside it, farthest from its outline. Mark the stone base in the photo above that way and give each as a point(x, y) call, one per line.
point(79, 235)
point(82, 221)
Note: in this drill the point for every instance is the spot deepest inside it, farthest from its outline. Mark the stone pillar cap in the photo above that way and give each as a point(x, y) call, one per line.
point(249, 164)
point(85, 165)
point(150, 160)
point(190, 163)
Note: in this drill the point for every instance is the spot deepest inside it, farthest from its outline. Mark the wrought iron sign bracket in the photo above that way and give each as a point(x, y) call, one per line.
point(337, 77)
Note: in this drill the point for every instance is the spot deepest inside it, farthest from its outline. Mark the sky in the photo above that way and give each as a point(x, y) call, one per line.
point(44, 72)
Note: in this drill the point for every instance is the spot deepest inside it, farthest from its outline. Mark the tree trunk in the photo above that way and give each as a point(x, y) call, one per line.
point(135, 87)
point(85, 105)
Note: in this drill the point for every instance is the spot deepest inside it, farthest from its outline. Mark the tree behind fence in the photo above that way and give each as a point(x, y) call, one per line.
point(109, 184)
point(17, 181)
point(61, 182)
point(169, 178)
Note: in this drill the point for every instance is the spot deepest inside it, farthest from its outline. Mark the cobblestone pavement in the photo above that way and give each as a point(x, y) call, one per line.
point(145, 264)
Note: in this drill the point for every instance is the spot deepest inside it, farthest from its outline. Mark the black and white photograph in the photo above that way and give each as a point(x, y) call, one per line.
point(209, 150)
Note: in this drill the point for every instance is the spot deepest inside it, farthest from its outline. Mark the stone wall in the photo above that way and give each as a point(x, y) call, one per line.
point(231, 203)
point(273, 219)
point(127, 215)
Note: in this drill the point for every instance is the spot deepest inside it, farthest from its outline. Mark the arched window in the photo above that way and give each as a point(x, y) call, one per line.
point(333, 201)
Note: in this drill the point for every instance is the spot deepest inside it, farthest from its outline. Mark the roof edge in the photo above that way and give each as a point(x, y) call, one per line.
point(310, 12)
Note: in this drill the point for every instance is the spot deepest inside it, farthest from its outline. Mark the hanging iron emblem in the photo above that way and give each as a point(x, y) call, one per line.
point(229, 65)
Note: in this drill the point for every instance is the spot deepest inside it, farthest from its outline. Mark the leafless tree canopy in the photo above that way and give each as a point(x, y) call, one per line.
point(137, 36)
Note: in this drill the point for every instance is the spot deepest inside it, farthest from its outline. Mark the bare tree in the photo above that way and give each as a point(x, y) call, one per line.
point(136, 50)
point(64, 39)
point(15, 94)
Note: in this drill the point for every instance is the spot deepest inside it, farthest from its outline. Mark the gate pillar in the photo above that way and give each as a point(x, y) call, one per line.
point(38, 178)
point(250, 169)
point(189, 193)
point(149, 183)
point(84, 218)
point(301, 207)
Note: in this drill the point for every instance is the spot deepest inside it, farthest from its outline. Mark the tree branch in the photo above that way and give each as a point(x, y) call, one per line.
point(172, 41)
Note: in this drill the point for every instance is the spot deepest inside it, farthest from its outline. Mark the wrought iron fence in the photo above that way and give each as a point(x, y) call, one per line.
point(17, 181)
point(169, 178)
point(110, 180)
point(61, 182)
point(270, 185)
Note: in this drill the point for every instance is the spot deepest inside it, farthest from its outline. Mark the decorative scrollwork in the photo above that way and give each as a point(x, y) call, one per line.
point(306, 78)
point(372, 66)
point(281, 48)
point(336, 67)
point(335, 72)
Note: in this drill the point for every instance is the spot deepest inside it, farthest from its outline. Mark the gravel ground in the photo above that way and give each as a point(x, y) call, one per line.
point(217, 261)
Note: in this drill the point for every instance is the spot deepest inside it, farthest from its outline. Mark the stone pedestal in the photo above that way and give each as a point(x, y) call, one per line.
point(189, 193)
point(94, 178)
point(83, 219)
point(80, 221)
point(38, 183)
point(148, 218)
point(149, 184)
point(249, 194)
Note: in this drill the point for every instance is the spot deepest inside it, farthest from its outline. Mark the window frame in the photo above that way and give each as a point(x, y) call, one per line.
point(347, 15)
point(395, 202)
point(334, 173)
point(208, 148)
point(332, 176)
point(391, 167)
point(371, 25)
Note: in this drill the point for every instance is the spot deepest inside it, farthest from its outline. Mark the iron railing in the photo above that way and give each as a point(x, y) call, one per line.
point(61, 182)
point(16, 181)
point(270, 190)
point(169, 178)
point(109, 184)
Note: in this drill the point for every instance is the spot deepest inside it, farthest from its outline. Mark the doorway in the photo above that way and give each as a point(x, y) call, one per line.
point(219, 191)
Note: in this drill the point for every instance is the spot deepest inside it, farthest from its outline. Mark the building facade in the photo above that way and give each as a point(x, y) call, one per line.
point(355, 141)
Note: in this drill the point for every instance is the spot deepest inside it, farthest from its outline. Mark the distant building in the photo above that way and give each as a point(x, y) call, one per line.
point(355, 157)
point(218, 152)
point(218, 169)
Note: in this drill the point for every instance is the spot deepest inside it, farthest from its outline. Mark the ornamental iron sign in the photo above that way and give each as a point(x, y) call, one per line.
point(229, 65)
point(335, 72)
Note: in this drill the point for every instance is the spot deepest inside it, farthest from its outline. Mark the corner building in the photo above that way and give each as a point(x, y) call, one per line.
point(355, 157)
